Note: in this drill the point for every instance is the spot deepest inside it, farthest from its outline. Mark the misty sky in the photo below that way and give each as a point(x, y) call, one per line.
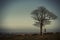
point(16, 15)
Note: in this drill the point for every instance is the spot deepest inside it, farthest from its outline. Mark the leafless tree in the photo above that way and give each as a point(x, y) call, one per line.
point(42, 17)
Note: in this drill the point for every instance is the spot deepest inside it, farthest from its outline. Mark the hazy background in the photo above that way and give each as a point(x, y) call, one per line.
point(15, 15)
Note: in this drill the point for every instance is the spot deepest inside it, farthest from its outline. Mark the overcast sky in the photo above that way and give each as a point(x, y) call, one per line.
point(16, 15)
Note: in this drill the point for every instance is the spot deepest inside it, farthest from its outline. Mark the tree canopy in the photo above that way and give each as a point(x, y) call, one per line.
point(43, 13)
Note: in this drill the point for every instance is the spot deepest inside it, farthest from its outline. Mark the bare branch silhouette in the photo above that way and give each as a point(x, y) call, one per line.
point(42, 17)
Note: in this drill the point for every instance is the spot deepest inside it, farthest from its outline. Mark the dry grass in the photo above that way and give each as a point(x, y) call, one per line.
point(47, 36)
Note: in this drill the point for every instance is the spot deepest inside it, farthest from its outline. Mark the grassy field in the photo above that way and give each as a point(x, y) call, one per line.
point(45, 36)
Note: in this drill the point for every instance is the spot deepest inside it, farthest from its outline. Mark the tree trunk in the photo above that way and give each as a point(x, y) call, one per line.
point(41, 29)
point(41, 24)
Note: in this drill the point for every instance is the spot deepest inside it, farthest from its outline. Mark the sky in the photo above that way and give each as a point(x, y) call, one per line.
point(16, 15)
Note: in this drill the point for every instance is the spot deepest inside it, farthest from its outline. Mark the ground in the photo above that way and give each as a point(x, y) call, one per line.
point(45, 36)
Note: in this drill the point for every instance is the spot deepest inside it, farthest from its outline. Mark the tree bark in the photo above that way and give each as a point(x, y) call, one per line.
point(41, 25)
point(41, 29)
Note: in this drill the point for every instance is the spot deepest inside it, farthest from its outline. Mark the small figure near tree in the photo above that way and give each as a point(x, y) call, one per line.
point(42, 17)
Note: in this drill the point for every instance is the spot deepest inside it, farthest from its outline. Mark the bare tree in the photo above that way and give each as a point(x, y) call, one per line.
point(42, 17)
